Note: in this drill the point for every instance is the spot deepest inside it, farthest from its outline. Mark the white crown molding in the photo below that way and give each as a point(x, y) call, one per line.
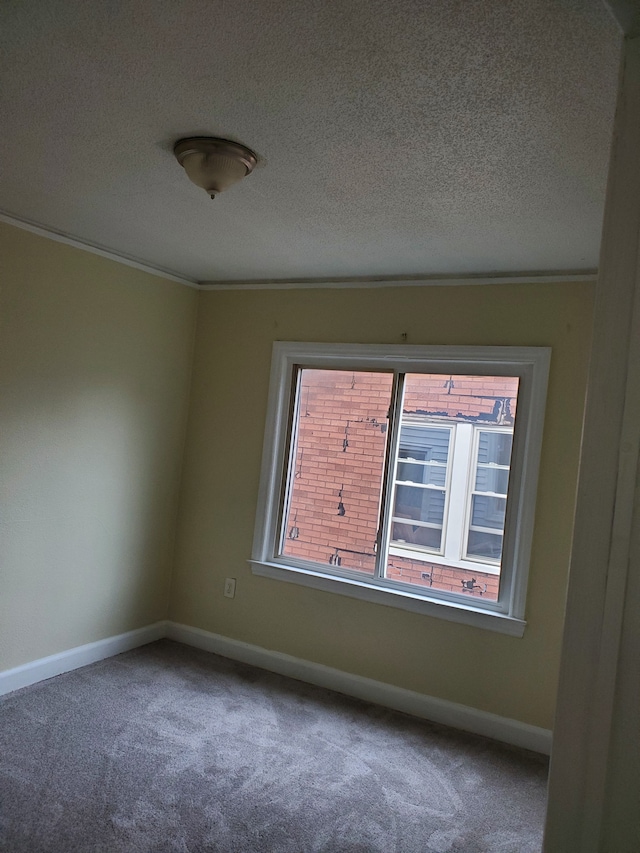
point(69, 240)
point(417, 704)
point(43, 668)
point(460, 279)
point(430, 280)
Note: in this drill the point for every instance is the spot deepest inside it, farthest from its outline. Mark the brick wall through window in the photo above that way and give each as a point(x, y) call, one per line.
point(335, 482)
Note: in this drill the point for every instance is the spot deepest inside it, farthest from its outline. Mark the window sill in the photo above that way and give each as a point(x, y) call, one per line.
point(459, 612)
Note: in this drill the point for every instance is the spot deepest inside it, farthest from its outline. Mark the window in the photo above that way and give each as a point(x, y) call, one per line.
point(404, 475)
point(421, 487)
point(425, 457)
point(488, 495)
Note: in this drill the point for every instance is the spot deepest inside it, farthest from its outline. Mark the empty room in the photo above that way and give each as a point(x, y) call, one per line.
point(320, 420)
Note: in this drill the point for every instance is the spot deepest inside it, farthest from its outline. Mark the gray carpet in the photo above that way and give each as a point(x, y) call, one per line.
point(166, 749)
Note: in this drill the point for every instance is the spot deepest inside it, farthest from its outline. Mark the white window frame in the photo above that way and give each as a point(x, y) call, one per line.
point(530, 364)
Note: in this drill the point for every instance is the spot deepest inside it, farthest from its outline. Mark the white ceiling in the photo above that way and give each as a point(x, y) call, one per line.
point(398, 137)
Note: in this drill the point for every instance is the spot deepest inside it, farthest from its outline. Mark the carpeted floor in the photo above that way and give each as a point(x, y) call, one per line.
point(167, 749)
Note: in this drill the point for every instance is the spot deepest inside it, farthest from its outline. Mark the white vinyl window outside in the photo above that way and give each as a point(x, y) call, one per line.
point(461, 489)
point(404, 475)
point(421, 486)
point(488, 495)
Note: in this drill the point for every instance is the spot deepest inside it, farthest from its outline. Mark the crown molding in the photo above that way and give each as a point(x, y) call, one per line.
point(436, 280)
point(69, 240)
point(429, 280)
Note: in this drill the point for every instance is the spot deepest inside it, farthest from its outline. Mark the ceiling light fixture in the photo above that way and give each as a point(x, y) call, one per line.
point(212, 163)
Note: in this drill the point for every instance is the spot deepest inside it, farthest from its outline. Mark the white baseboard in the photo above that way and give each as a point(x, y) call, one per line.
point(38, 670)
point(417, 704)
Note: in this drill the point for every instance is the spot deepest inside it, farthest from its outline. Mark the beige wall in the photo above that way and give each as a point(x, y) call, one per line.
point(222, 464)
point(94, 368)
point(94, 372)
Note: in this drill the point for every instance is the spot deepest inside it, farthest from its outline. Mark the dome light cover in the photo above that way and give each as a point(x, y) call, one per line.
point(212, 163)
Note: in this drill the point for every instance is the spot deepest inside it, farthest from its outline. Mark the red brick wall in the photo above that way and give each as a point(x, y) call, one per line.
point(443, 577)
point(338, 407)
point(459, 397)
point(342, 436)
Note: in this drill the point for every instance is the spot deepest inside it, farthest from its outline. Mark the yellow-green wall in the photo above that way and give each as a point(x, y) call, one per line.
point(511, 677)
point(95, 367)
point(94, 378)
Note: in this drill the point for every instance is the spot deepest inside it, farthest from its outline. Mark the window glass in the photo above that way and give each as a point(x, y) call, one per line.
point(419, 508)
point(339, 442)
point(451, 512)
point(489, 498)
point(492, 480)
point(494, 448)
point(339, 438)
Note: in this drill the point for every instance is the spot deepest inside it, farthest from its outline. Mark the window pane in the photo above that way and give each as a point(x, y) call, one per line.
point(424, 443)
point(427, 473)
point(495, 447)
point(422, 459)
point(456, 436)
point(333, 496)
point(425, 507)
point(413, 534)
point(487, 511)
point(492, 480)
point(420, 504)
point(487, 545)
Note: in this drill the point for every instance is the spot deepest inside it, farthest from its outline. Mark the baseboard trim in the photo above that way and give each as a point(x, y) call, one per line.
point(39, 670)
point(417, 704)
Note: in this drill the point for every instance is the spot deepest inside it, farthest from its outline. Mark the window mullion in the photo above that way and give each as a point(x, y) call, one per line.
point(388, 481)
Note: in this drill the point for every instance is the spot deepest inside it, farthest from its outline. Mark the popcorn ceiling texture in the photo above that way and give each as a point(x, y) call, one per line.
point(400, 137)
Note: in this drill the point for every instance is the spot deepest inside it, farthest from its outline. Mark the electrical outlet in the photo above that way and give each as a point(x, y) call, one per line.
point(230, 587)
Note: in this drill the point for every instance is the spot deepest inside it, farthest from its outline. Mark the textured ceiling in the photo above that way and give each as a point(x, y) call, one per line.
point(405, 137)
